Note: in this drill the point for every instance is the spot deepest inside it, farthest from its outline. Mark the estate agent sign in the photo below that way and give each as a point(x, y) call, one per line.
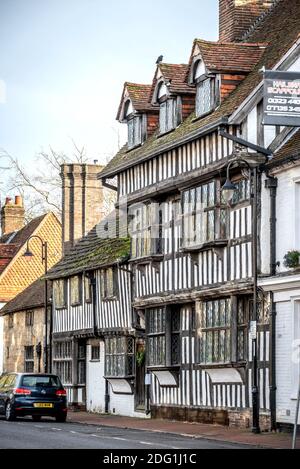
point(282, 98)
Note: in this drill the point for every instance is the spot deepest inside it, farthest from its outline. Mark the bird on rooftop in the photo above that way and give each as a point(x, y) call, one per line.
point(160, 59)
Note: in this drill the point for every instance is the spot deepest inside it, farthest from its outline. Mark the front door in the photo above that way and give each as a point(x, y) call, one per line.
point(140, 389)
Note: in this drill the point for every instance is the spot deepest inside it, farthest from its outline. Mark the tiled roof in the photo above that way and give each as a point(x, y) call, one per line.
point(7, 253)
point(230, 57)
point(140, 96)
point(11, 243)
point(92, 252)
point(280, 29)
point(32, 297)
point(175, 74)
point(290, 150)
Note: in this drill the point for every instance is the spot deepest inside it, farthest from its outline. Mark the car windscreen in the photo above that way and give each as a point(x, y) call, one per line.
point(40, 382)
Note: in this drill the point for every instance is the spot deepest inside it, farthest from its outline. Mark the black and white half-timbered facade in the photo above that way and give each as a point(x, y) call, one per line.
point(194, 256)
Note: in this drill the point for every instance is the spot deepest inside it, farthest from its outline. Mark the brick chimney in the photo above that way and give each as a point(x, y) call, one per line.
point(12, 215)
point(237, 16)
point(82, 201)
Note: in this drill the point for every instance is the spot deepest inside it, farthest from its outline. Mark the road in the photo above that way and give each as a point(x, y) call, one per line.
point(47, 434)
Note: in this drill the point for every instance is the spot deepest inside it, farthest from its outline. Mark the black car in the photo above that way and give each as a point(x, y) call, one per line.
point(32, 394)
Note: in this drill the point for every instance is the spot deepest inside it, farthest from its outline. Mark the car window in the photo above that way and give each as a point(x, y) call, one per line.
point(3, 378)
point(32, 381)
point(10, 382)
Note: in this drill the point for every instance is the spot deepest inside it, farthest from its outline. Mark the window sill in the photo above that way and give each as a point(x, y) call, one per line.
point(205, 246)
point(209, 366)
point(166, 133)
point(196, 119)
point(134, 148)
point(164, 368)
point(147, 259)
point(75, 305)
point(95, 361)
point(60, 308)
point(119, 377)
point(110, 298)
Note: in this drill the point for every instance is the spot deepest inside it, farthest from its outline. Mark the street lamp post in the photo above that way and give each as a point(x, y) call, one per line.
point(228, 192)
point(44, 255)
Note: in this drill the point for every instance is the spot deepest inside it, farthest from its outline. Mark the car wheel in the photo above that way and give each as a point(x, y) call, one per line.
point(36, 418)
point(61, 418)
point(9, 412)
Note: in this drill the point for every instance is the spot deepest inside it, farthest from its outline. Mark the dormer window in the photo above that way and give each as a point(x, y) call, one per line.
point(170, 110)
point(206, 96)
point(134, 124)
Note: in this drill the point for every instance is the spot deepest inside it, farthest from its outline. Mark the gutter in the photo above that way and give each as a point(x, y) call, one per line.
point(192, 136)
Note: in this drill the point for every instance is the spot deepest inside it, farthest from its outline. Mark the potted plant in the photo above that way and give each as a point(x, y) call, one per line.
point(292, 259)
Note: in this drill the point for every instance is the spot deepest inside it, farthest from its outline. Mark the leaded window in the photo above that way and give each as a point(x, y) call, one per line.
point(81, 363)
point(214, 332)
point(62, 361)
point(163, 337)
point(134, 131)
point(75, 283)
point(146, 230)
point(242, 324)
point(168, 115)
point(242, 192)
point(205, 219)
point(60, 293)
point(95, 353)
point(29, 359)
point(109, 283)
point(205, 96)
point(87, 290)
point(119, 357)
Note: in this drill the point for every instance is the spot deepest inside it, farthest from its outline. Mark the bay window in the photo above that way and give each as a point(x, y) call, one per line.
point(119, 357)
point(205, 219)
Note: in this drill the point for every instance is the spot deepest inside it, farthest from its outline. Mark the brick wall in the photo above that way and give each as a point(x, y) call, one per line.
point(237, 16)
point(152, 123)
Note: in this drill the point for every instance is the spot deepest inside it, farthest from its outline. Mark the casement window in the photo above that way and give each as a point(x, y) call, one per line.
point(119, 357)
point(163, 337)
point(134, 131)
point(62, 361)
point(206, 99)
point(10, 321)
point(204, 218)
point(95, 353)
point(29, 359)
point(87, 290)
point(60, 293)
point(214, 332)
point(222, 328)
point(109, 283)
point(29, 318)
point(76, 290)
point(146, 230)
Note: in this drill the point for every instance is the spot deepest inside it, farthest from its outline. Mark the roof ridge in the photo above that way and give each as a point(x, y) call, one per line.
point(260, 19)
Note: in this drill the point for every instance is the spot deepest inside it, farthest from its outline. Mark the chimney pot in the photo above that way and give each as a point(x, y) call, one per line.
point(19, 201)
point(7, 201)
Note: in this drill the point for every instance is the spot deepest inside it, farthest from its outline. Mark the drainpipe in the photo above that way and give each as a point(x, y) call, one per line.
point(106, 397)
point(272, 184)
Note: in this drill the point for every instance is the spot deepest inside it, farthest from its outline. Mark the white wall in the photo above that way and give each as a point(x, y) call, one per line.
point(120, 404)
point(288, 376)
point(265, 229)
point(288, 206)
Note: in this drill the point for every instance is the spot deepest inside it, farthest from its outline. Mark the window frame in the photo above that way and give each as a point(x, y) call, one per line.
point(200, 82)
point(88, 291)
point(194, 218)
point(11, 320)
point(135, 137)
point(144, 223)
point(63, 361)
point(113, 294)
point(29, 318)
point(96, 358)
point(29, 359)
point(63, 296)
point(167, 333)
point(116, 353)
point(77, 300)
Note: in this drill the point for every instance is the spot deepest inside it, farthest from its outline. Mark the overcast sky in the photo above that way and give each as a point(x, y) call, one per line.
point(63, 64)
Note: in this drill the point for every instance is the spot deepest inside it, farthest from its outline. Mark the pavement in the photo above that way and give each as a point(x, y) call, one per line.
point(184, 429)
